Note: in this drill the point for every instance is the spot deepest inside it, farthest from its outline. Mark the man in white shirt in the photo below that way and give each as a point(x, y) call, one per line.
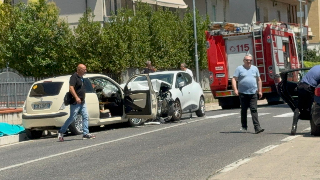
point(183, 67)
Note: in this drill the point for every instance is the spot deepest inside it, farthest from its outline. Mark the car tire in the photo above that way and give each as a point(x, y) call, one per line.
point(76, 126)
point(33, 134)
point(315, 130)
point(177, 111)
point(132, 122)
point(202, 108)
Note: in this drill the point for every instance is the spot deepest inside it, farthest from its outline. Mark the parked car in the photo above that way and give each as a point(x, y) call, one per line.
point(287, 88)
point(107, 103)
point(176, 88)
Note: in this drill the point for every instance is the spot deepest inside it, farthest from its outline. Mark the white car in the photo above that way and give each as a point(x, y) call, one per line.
point(107, 103)
point(185, 93)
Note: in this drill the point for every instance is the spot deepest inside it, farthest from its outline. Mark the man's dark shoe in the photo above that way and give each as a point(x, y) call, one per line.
point(259, 131)
point(88, 136)
point(294, 130)
point(243, 129)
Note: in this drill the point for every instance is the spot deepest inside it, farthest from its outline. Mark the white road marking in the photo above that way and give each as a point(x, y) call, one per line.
point(266, 149)
point(307, 129)
point(108, 142)
point(289, 138)
point(290, 114)
point(220, 115)
point(234, 165)
point(259, 114)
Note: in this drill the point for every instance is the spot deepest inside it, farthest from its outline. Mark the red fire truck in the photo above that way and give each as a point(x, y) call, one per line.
point(273, 47)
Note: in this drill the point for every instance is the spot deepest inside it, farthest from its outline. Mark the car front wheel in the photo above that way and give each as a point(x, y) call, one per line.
point(177, 111)
point(202, 108)
point(76, 126)
point(135, 122)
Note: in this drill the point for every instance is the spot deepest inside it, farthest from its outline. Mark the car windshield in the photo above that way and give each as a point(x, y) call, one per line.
point(163, 77)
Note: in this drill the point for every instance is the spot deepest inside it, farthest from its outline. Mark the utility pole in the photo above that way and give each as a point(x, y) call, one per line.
point(301, 34)
point(195, 40)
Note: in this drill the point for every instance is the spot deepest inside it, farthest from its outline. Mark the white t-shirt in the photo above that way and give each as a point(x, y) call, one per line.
point(189, 72)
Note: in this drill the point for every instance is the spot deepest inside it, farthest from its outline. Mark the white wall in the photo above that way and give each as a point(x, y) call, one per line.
point(242, 11)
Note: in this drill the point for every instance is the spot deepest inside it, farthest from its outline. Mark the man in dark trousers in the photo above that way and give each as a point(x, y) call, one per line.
point(306, 88)
point(78, 91)
point(249, 83)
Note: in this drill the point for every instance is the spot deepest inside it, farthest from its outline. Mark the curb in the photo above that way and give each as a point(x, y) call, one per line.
point(5, 140)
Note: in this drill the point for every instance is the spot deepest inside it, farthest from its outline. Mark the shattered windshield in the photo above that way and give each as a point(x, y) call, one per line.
point(163, 77)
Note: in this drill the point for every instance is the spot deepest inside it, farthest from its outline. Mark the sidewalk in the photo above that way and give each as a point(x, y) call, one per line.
point(298, 159)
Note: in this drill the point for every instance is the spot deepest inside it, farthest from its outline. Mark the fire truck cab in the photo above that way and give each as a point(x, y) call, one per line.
point(272, 45)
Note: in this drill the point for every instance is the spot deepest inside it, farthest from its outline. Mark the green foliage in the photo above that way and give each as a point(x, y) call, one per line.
point(310, 64)
point(311, 55)
point(35, 42)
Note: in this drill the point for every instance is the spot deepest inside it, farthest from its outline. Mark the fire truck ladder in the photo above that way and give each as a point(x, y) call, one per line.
point(258, 48)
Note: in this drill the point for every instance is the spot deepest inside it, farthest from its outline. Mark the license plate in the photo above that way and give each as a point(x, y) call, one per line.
point(41, 106)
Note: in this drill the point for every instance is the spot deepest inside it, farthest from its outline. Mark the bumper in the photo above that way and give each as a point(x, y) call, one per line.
point(44, 120)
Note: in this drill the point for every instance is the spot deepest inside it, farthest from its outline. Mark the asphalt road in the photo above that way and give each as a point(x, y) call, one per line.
point(191, 149)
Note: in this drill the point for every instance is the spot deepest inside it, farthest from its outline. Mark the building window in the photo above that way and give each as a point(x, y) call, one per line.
point(279, 15)
point(214, 16)
point(112, 7)
point(258, 14)
point(265, 15)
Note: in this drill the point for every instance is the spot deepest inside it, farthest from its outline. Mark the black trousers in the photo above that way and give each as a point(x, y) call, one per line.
point(249, 101)
point(305, 99)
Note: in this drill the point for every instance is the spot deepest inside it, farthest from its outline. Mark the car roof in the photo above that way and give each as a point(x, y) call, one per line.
point(67, 77)
point(166, 72)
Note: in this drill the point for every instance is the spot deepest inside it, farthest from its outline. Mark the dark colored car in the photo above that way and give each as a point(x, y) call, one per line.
point(287, 89)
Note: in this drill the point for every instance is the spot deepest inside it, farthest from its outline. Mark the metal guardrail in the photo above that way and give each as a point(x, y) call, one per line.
point(14, 91)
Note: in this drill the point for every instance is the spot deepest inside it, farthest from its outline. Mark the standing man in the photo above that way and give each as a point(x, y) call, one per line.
point(306, 88)
point(149, 68)
point(78, 91)
point(183, 67)
point(249, 83)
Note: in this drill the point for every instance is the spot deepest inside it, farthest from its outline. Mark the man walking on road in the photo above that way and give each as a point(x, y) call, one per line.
point(78, 91)
point(249, 83)
point(306, 89)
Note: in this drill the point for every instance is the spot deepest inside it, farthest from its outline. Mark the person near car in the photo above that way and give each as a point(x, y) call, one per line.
point(149, 68)
point(78, 104)
point(306, 88)
point(184, 67)
point(248, 89)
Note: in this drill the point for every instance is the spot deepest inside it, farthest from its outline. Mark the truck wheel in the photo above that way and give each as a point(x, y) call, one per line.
point(177, 111)
point(202, 108)
point(229, 102)
point(33, 134)
point(135, 122)
point(76, 126)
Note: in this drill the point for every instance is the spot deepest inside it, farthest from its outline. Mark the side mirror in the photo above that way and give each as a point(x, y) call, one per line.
point(181, 84)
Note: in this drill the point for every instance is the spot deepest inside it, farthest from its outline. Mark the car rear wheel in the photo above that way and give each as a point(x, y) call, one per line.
point(177, 113)
point(135, 122)
point(202, 108)
point(76, 126)
point(33, 134)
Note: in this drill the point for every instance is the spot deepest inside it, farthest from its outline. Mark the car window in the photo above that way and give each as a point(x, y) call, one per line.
point(180, 78)
point(87, 83)
point(104, 84)
point(188, 78)
point(45, 89)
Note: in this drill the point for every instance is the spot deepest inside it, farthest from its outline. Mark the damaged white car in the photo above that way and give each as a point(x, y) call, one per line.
point(177, 93)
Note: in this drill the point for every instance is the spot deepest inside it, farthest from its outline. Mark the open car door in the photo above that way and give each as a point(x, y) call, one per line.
point(140, 100)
